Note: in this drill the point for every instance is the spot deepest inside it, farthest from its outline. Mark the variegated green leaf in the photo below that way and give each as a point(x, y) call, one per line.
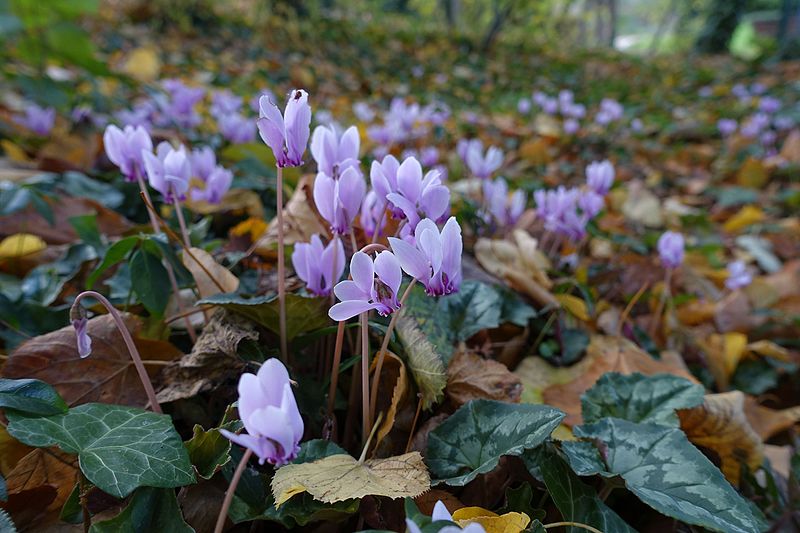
point(662, 468)
point(474, 438)
point(640, 398)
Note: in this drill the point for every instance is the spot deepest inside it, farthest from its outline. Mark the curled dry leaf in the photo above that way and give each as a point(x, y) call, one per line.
point(211, 277)
point(768, 422)
point(519, 263)
point(45, 466)
point(606, 354)
point(720, 424)
point(470, 376)
point(340, 477)
point(300, 221)
point(212, 360)
point(106, 376)
point(723, 353)
point(491, 522)
point(394, 377)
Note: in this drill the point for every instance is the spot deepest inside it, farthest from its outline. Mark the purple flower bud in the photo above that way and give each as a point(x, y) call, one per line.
point(287, 134)
point(319, 267)
point(670, 249)
point(417, 197)
point(727, 126)
point(334, 153)
point(374, 286)
point(738, 275)
point(435, 260)
point(338, 200)
point(524, 106)
point(124, 148)
point(82, 335)
point(203, 162)
point(39, 120)
point(550, 106)
point(169, 171)
point(600, 176)
point(270, 415)
point(571, 126)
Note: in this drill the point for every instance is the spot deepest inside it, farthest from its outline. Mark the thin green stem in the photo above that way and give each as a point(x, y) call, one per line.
point(572, 524)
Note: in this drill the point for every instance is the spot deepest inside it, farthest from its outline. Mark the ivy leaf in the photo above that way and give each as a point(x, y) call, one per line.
point(577, 501)
point(640, 398)
point(662, 468)
point(30, 396)
point(302, 314)
point(119, 448)
point(149, 281)
point(474, 438)
point(150, 509)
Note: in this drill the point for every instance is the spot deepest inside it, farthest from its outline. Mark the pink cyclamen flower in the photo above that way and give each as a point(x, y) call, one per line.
point(418, 197)
point(224, 102)
point(338, 200)
point(203, 162)
point(39, 120)
point(374, 286)
point(571, 126)
point(270, 415)
point(82, 336)
point(236, 128)
point(286, 134)
point(738, 275)
point(373, 210)
point(504, 209)
point(600, 176)
point(483, 165)
point(524, 106)
point(383, 176)
point(217, 185)
point(169, 171)
point(441, 514)
point(727, 126)
point(335, 153)
point(319, 266)
point(671, 249)
point(124, 148)
point(435, 260)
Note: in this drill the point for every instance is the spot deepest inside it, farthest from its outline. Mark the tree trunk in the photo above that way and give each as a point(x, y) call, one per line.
point(722, 19)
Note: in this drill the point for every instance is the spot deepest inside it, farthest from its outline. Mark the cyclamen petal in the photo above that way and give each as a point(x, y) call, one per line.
point(82, 336)
point(671, 249)
point(287, 135)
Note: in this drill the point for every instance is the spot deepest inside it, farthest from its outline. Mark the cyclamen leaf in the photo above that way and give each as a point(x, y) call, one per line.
point(475, 307)
point(474, 438)
point(150, 509)
point(640, 398)
point(662, 468)
point(149, 281)
point(30, 396)
point(119, 448)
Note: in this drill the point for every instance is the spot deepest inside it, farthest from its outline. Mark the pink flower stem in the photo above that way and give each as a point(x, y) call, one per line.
point(126, 336)
point(226, 503)
point(281, 270)
point(337, 359)
point(365, 376)
point(377, 231)
point(181, 221)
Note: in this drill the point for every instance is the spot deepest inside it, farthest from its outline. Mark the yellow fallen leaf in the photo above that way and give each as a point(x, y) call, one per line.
point(393, 374)
point(236, 201)
point(491, 522)
point(721, 425)
point(576, 306)
point(341, 477)
point(255, 227)
point(14, 152)
point(767, 348)
point(753, 173)
point(723, 353)
point(142, 64)
point(535, 152)
point(746, 216)
point(211, 277)
point(20, 245)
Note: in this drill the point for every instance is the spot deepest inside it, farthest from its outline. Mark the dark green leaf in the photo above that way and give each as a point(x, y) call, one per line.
point(31, 396)
point(78, 184)
point(150, 509)
point(6, 524)
point(662, 468)
point(475, 307)
point(422, 311)
point(472, 440)
point(115, 254)
point(119, 448)
point(3, 490)
point(88, 232)
point(639, 398)
point(208, 451)
point(149, 281)
point(72, 512)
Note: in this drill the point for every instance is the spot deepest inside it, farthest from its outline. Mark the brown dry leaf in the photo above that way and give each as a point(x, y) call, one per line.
point(642, 206)
point(753, 174)
point(45, 466)
point(237, 201)
point(696, 312)
point(300, 220)
point(491, 522)
point(607, 354)
point(766, 291)
point(11, 451)
point(720, 424)
point(470, 376)
point(780, 457)
point(768, 422)
point(212, 360)
point(735, 313)
point(341, 477)
point(520, 263)
point(106, 376)
point(28, 220)
point(211, 277)
point(723, 353)
point(791, 147)
point(535, 152)
point(68, 152)
point(394, 376)
point(767, 348)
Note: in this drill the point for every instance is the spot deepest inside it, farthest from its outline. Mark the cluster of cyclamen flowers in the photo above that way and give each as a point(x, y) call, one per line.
point(169, 170)
point(671, 251)
point(567, 211)
point(402, 122)
point(764, 124)
point(570, 111)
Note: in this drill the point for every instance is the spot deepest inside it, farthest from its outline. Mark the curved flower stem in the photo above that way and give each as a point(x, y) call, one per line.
point(365, 376)
point(373, 399)
point(281, 269)
point(182, 222)
point(587, 527)
point(374, 247)
point(170, 273)
point(378, 225)
point(126, 336)
point(337, 359)
point(226, 503)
